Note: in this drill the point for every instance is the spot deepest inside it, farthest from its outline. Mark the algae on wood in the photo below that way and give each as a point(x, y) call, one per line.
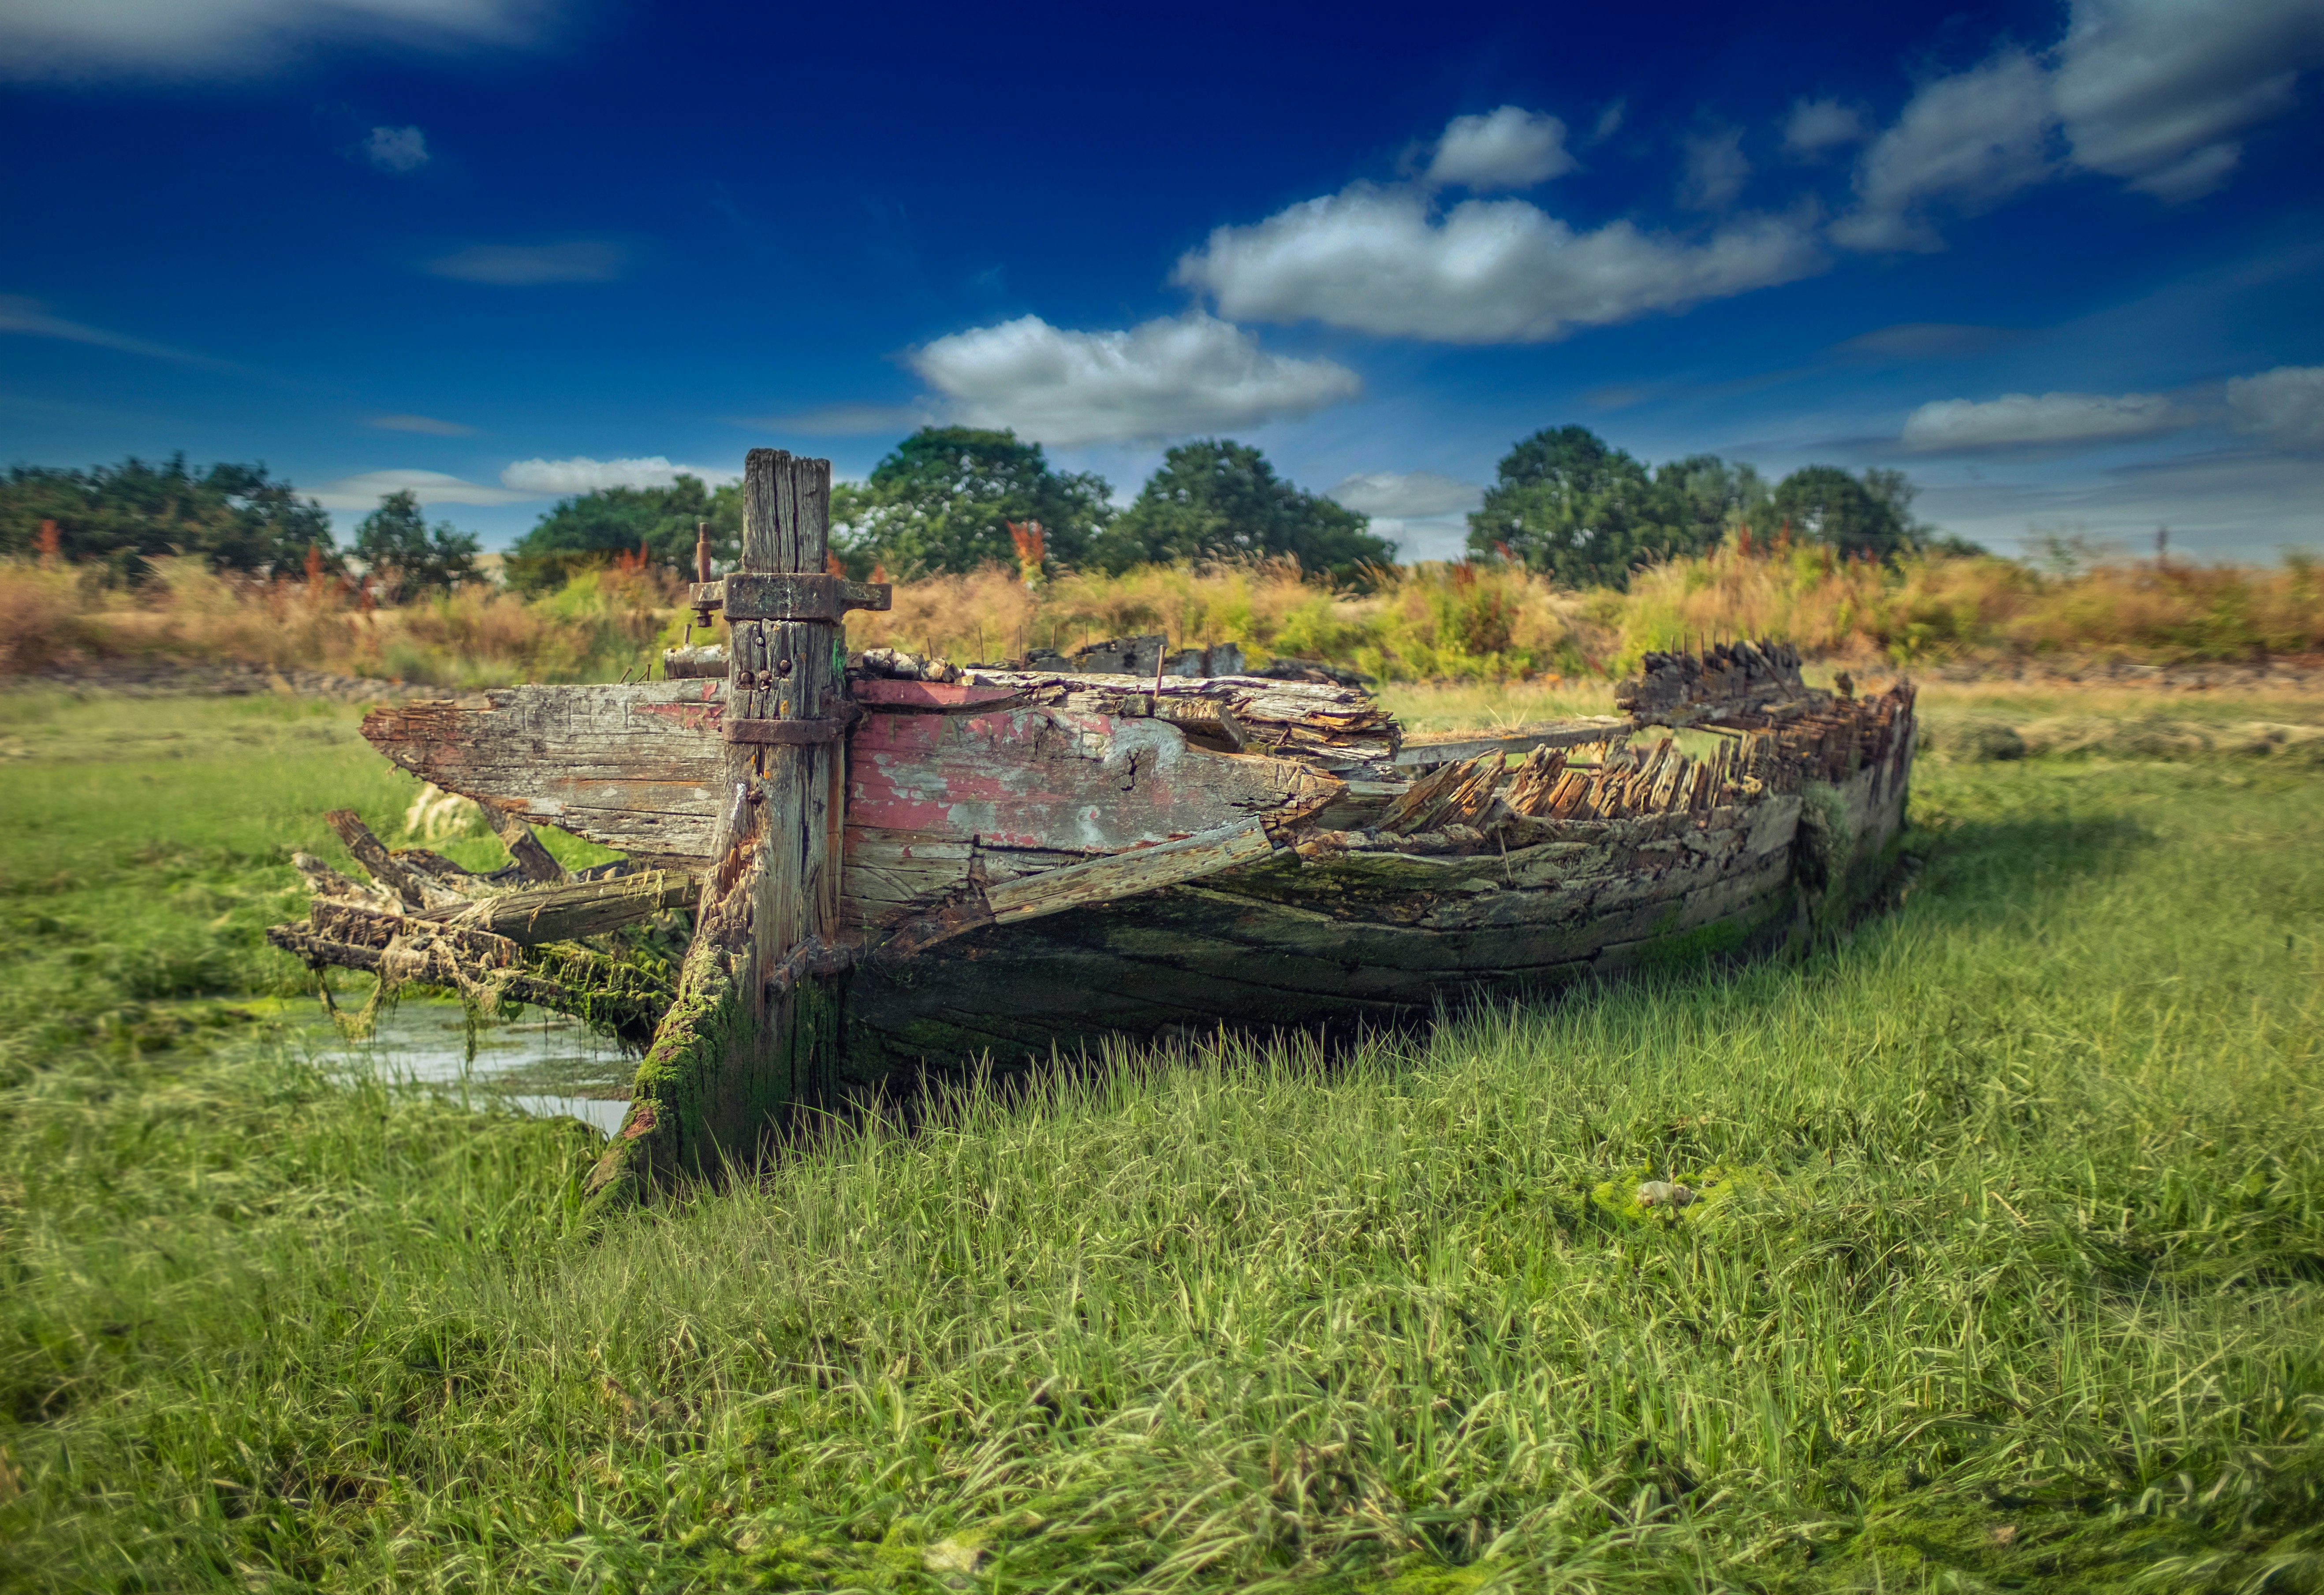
point(738, 1046)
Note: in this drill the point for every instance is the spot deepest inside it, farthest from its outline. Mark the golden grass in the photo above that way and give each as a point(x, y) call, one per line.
point(1474, 623)
point(1943, 606)
point(602, 621)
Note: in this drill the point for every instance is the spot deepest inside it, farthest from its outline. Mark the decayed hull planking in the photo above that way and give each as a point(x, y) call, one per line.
point(959, 796)
point(1380, 938)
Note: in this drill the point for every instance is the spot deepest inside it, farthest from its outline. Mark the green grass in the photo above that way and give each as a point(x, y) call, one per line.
point(146, 847)
point(2013, 1277)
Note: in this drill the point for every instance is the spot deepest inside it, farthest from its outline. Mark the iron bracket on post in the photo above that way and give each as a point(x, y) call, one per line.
point(777, 596)
point(792, 734)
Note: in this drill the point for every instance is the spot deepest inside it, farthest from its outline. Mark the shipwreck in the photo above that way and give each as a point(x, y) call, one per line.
point(892, 863)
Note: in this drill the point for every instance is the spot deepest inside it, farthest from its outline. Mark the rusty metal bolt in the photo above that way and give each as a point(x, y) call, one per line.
point(783, 666)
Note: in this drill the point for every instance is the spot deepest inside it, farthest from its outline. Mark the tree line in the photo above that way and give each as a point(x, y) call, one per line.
point(236, 518)
point(943, 501)
point(1565, 503)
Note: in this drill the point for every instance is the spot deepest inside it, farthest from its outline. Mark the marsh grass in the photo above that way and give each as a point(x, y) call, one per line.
point(147, 845)
point(2015, 1281)
point(1468, 622)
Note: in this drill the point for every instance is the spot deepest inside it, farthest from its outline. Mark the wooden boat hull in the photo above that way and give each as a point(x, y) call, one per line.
point(1024, 865)
point(1381, 938)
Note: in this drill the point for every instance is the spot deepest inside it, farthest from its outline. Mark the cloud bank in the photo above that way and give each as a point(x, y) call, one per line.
point(1166, 378)
point(365, 490)
point(2157, 93)
point(2284, 409)
point(1814, 126)
point(1406, 494)
point(1969, 141)
point(545, 478)
point(1377, 259)
point(2016, 420)
point(1716, 170)
point(186, 38)
point(1510, 148)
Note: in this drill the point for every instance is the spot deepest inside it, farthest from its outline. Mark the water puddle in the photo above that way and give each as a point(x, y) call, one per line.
point(539, 1063)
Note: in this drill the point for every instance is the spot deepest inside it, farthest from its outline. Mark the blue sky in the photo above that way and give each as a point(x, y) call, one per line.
point(2062, 263)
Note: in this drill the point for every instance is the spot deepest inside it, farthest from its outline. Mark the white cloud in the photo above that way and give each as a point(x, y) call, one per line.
point(2155, 91)
point(1609, 122)
point(1406, 494)
point(2016, 420)
point(181, 38)
point(1510, 148)
point(419, 423)
point(30, 318)
point(513, 265)
point(397, 149)
point(542, 478)
point(1814, 126)
point(1970, 141)
point(365, 490)
point(1375, 259)
point(2284, 406)
point(1166, 378)
point(1716, 170)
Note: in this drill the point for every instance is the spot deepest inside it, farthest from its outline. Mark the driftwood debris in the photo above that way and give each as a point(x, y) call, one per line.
point(571, 911)
point(490, 948)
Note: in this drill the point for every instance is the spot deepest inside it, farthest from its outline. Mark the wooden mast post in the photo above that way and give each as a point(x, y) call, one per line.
point(755, 1024)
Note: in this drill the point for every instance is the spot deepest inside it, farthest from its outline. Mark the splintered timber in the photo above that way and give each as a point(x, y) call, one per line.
point(894, 866)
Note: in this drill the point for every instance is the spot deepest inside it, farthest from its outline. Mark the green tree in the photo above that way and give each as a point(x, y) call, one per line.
point(942, 500)
point(1706, 497)
point(407, 557)
point(1571, 504)
point(1868, 514)
point(1216, 498)
point(235, 517)
point(591, 527)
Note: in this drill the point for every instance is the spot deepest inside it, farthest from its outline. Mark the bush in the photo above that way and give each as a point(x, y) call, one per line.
point(1484, 620)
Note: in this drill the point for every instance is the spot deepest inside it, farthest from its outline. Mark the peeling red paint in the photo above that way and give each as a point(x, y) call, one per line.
point(706, 716)
point(929, 695)
point(1038, 778)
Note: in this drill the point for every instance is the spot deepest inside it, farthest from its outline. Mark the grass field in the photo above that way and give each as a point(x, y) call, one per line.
point(2010, 1275)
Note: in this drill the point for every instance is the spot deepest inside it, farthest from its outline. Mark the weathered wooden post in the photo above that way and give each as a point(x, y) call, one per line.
point(755, 1025)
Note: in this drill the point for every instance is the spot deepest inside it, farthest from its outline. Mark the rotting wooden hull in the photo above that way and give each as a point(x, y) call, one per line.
point(1030, 863)
point(1379, 938)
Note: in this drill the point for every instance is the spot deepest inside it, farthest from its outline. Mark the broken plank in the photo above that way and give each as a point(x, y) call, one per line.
point(1555, 733)
point(532, 861)
point(586, 907)
point(1128, 874)
point(636, 766)
point(400, 878)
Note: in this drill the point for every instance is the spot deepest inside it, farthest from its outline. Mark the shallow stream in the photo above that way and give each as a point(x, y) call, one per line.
point(537, 1063)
